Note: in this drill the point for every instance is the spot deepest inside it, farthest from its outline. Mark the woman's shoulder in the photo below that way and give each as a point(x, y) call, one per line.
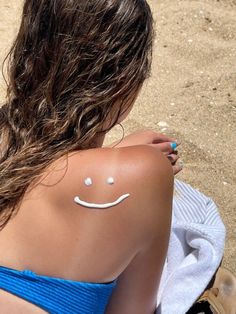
point(135, 168)
point(102, 175)
point(131, 165)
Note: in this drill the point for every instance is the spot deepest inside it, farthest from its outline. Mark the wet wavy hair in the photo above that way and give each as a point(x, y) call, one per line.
point(74, 64)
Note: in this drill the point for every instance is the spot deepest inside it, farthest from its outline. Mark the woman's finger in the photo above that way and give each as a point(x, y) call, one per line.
point(162, 138)
point(173, 158)
point(166, 147)
point(178, 167)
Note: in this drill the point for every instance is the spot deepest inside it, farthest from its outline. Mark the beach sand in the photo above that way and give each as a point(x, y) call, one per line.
point(190, 95)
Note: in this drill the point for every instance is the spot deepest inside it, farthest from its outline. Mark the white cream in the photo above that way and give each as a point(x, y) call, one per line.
point(88, 181)
point(110, 180)
point(100, 206)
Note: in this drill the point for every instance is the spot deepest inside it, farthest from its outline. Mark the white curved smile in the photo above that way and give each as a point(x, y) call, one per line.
point(100, 206)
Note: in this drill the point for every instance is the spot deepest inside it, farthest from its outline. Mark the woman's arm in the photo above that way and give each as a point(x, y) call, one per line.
point(156, 140)
point(137, 287)
point(146, 137)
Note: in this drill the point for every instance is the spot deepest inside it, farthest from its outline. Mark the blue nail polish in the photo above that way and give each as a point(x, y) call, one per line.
point(173, 146)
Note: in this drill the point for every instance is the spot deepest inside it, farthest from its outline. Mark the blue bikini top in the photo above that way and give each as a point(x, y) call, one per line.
point(55, 295)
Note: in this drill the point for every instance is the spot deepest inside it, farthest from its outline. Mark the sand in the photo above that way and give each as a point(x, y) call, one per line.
point(190, 95)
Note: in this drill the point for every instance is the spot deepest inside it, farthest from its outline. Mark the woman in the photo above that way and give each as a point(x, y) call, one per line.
point(85, 229)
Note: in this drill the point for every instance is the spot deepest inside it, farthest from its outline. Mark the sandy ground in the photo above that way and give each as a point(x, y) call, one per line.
point(191, 94)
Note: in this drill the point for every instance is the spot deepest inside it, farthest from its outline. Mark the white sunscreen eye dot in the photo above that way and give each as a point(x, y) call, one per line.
point(110, 180)
point(88, 181)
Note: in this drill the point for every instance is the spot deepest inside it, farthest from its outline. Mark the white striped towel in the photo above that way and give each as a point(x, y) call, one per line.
point(195, 250)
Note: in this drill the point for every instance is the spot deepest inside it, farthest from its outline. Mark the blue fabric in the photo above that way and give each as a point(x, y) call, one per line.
point(55, 295)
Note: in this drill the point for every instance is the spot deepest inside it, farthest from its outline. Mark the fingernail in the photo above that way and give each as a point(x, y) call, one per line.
point(176, 141)
point(173, 145)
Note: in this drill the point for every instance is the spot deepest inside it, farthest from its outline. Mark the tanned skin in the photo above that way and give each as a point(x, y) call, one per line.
point(54, 236)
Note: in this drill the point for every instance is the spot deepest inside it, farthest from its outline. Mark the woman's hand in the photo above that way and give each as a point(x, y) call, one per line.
point(160, 141)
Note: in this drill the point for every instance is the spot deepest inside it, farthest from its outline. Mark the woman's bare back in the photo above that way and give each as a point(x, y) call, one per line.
point(55, 236)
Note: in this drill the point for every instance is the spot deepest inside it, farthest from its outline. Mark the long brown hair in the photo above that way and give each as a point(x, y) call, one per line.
point(73, 64)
